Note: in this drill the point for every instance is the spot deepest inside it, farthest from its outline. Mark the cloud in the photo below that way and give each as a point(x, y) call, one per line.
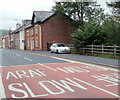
point(20, 10)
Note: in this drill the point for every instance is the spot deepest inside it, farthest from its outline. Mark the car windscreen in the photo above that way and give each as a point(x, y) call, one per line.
point(61, 45)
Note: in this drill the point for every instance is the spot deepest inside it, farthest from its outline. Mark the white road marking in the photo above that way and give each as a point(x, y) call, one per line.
point(65, 59)
point(98, 88)
point(2, 91)
point(86, 64)
point(27, 59)
point(47, 67)
point(18, 55)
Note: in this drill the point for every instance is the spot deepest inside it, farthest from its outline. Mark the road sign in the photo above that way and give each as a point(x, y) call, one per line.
point(23, 40)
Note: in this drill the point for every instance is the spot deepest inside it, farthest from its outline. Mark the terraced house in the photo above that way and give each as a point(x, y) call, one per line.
point(17, 37)
point(39, 33)
point(46, 27)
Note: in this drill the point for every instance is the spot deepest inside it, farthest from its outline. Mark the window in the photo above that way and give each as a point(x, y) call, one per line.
point(32, 31)
point(36, 29)
point(36, 41)
point(28, 42)
point(27, 33)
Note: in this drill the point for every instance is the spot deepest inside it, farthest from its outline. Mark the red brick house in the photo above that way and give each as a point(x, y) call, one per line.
point(17, 36)
point(7, 41)
point(0, 41)
point(4, 41)
point(46, 29)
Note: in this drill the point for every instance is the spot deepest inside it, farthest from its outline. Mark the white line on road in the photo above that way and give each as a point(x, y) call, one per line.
point(98, 88)
point(47, 67)
point(2, 91)
point(64, 59)
point(18, 55)
point(86, 64)
point(27, 59)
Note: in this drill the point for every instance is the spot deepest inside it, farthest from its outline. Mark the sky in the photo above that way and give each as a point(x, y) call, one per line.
point(14, 11)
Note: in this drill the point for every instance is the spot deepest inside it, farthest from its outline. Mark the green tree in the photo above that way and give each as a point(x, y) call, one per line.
point(115, 4)
point(112, 29)
point(75, 10)
point(91, 33)
point(112, 24)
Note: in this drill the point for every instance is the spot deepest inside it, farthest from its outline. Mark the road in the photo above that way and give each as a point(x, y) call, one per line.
point(29, 75)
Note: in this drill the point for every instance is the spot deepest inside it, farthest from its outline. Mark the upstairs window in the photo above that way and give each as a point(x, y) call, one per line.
point(36, 29)
point(36, 42)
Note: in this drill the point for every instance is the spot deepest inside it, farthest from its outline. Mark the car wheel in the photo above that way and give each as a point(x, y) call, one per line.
point(57, 52)
point(51, 51)
point(70, 52)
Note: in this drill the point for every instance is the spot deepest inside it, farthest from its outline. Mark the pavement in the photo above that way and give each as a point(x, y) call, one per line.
point(83, 58)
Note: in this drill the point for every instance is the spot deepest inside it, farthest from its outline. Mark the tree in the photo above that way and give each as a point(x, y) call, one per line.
point(91, 33)
point(75, 10)
point(112, 29)
point(112, 24)
point(115, 4)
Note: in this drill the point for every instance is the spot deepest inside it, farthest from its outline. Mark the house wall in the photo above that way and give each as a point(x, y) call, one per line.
point(37, 37)
point(33, 38)
point(56, 31)
point(12, 41)
point(7, 42)
point(29, 38)
point(22, 40)
point(3, 43)
point(17, 40)
point(0, 42)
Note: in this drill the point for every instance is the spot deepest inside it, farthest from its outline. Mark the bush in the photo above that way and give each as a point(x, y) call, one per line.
point(91, 33)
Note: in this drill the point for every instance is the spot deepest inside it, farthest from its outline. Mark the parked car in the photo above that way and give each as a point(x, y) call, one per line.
point(59, 48)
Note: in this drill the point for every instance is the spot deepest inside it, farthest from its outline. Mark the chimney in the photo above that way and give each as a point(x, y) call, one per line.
point(26, 22)
point(18, 25)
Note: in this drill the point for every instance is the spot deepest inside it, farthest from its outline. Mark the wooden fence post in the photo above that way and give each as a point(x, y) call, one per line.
point(102, 48)
point(92, 49)
point(83, 50)
point(114, 50)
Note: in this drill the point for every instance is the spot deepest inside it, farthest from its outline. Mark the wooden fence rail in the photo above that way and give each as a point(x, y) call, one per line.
point(100, 49)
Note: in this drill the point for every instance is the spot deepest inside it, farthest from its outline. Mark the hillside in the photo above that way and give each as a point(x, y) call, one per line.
point(2, 31)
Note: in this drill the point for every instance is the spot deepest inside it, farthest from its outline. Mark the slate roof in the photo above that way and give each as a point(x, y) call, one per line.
point(41, 16)
point(28, 26)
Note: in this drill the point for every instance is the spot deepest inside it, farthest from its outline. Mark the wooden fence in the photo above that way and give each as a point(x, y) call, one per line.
point(102, 49)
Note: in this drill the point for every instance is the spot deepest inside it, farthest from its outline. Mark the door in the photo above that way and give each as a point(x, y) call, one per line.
point(32, 44)
point(48, 46)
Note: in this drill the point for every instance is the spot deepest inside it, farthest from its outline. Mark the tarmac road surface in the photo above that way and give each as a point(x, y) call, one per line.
point(50, 77)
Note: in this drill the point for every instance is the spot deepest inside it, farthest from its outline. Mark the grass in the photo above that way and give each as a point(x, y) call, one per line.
point(107, 55)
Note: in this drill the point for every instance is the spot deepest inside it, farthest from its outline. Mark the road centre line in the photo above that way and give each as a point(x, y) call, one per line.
point(27, 59)
point(2, 91)
point(47, 67)
point(72, 61)
point(97, 88)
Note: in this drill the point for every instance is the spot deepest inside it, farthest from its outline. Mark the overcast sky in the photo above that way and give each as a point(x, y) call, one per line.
point(14, 11)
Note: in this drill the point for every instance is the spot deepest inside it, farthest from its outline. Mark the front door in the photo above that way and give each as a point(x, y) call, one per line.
point(32, 44)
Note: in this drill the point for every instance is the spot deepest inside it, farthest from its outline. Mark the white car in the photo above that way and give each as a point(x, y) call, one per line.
point(59, 48)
